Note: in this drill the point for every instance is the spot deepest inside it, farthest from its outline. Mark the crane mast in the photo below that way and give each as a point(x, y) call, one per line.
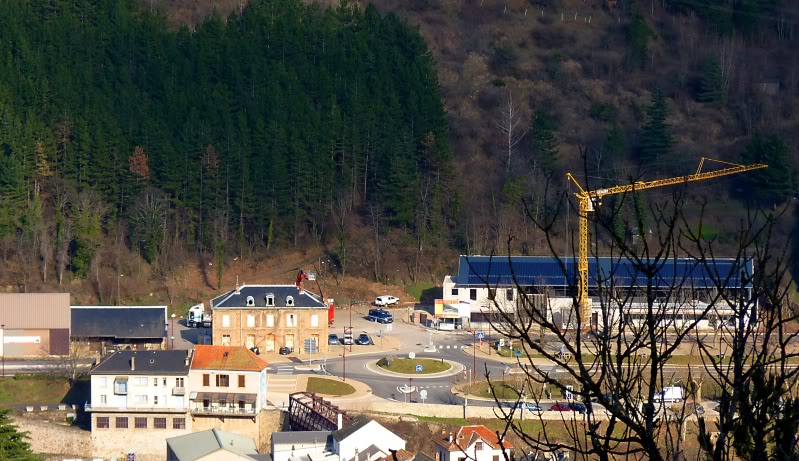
point(588, 199)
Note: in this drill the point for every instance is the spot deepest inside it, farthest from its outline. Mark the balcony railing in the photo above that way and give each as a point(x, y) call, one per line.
point(234, 411)
point(178, 391)
point(132, 409)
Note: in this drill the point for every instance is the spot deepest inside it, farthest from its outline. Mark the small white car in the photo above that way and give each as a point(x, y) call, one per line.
point(386, 300)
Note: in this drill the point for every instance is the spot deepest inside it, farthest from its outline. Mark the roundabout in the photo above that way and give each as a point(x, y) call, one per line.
point(416, 368)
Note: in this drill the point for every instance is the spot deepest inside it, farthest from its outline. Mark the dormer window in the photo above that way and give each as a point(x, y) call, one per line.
point(270, 299)
point(250, 301)
point(289, 300)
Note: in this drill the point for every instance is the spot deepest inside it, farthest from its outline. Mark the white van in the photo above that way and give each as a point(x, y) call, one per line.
point(670, 394)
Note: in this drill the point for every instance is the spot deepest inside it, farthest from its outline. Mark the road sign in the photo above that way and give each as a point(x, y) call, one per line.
point(501, 342)
point(480, 335)
point(419, 368)
point(569, 395)
point(423, 395)
point(310, 346)
point(412, 355)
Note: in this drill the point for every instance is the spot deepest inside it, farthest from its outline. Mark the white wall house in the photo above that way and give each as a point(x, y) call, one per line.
point(141, 381)
point(365, 440)
point(227, 380)
point(472, 443)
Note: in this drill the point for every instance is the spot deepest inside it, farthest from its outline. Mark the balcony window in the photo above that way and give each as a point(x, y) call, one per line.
point(121, 386)
point(179, 381)
point(103, 422)
point(159, 423)
point(140, 423)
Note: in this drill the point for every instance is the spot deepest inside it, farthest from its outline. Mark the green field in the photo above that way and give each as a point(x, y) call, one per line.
point(502, 390)
point(328, 387)
point(32, 390)
point(408, 366)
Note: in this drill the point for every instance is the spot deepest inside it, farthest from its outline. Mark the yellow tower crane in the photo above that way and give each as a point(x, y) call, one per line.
point(588, 199)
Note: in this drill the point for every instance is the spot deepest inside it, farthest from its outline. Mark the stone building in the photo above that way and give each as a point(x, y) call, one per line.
point(269, 317)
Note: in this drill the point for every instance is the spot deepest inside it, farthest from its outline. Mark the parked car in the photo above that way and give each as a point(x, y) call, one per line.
point(332, 340)
point(380, 316)
point(363, 340)
point(346, 340)
point(561, 407)
point(531, 407)
point(579, 408)
point(285, 350)
point(386, 300)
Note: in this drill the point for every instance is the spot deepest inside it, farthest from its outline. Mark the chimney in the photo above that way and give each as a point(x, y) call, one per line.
point(450, 437)
point(238, 292)
point(340, 421)
point(188, 356)
point(438, 456)
point(133, 363)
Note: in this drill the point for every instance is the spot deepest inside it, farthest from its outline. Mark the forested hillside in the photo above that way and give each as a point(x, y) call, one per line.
point(260, 130)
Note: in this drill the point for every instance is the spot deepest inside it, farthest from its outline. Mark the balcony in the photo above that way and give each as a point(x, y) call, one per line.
point(101, 408)
point(223, 411)
point(178, 391)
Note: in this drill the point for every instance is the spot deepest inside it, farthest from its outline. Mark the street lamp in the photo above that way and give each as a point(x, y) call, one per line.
point(118, 294)
point(172, 335)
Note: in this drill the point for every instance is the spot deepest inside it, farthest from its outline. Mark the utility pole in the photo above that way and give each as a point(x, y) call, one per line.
point(345, 362)
point(3, 346)
point(474, 357)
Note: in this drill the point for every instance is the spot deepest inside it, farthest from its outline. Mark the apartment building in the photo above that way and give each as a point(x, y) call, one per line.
point(269, 317)
point(226, 381)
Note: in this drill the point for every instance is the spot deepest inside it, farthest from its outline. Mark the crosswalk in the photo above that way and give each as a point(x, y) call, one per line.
point(433, 387)
point(283, 383)
point(285, 370)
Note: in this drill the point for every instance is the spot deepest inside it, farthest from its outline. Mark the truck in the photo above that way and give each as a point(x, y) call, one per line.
point(196, 316)
point(670, 394)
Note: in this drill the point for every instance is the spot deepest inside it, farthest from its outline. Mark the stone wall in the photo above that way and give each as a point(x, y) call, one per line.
point(55, 439)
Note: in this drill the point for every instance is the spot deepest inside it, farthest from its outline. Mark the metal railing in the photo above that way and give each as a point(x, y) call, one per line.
point(88, 407)
point(222, 411)
point(178, 391)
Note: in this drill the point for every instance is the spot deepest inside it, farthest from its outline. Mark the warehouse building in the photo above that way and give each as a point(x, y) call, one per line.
point(34, 324)
point(103, 329)
point(684, 287)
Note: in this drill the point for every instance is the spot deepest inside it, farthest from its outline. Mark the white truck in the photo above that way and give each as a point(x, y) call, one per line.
point(197, 318)
point(670, 394)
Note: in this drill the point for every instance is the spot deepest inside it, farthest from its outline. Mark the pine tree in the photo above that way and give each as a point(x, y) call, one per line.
point(777, 183)
point(13, 443)
point(712, 88)
point(656, 138)
point(544, 142)
point(615, 146)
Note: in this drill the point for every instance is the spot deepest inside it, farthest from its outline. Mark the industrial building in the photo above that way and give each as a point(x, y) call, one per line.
point(103, 329)
point(34, 324)
point(488, 284)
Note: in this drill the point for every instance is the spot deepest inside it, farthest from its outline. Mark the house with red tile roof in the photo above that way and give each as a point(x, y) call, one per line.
point(472, 443)
point(227, 381)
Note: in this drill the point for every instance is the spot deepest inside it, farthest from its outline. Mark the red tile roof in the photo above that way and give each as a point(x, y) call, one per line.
point(468, 434)
point(399, 455)
point(226, 358)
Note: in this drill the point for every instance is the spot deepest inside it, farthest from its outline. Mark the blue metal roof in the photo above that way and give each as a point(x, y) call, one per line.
point(547, 271)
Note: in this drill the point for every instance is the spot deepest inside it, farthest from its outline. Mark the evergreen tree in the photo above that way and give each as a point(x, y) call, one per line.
point(638, 36)
point(13, 443)
point(544, 142)
point(712, 88)
point(656, 138)
point(615, 145)
point(777, 183)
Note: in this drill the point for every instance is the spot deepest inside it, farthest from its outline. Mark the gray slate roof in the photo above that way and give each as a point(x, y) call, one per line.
point(283, 441)
point(233, 300)
point(118, 322)
point(359, 422)
point(199, 444)
point(146, 363)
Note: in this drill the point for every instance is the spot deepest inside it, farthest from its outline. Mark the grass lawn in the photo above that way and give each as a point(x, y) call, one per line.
point(501, 389)
point(408, 366)
point(328, 387)
point(555, 429)
point(32, 390)
point(417, 290)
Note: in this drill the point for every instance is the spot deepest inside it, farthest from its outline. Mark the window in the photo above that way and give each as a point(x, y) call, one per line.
point(270, 299)
point(159, 423)
point(289, 301)
point(473, 294)
point(178, 423)
point(140, 381)
point(222, 380)
point(509, 294)
point(179, 381)
point(461, 459)
point(290, 320)
point(250, 321)
point(454, 292)
point(140, 423)
point(270, 320)
point(314, 321)
point(250, 341)
point(155, 382)
point(102, 381)
point(495, 458)
point(103, 399)
point(141, 399)
point(155, 400)
point(164, 382)
point(121, 422)
point(250, 301)
point(102, 422)
point(226, 321)
point(242, 379)
point(226, 340)
point(206, 380)
point(478, 446)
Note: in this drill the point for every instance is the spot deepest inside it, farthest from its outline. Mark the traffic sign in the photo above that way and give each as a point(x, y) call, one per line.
point(412, 355)
point(310, 346)
point(569, 394)
point(419, 368)
point(480, 335)
point(423, 395)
